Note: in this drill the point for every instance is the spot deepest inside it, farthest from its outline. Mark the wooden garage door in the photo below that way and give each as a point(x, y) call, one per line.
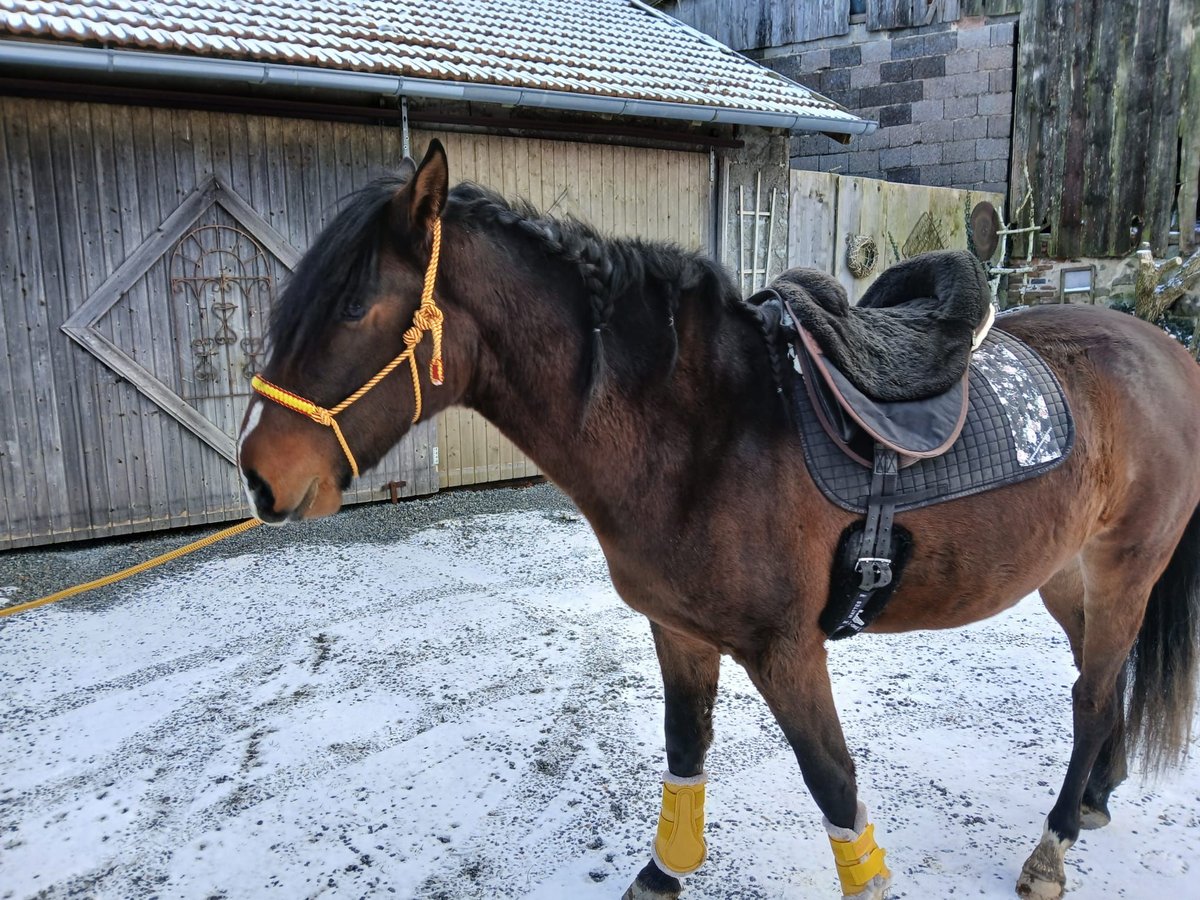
point(139, 251)
point(623, 191)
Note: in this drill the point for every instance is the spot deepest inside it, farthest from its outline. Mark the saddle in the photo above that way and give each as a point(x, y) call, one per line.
point(888, 381)
point(893, 368)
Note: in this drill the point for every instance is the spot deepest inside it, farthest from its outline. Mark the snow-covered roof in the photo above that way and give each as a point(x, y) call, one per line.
point(599, 48)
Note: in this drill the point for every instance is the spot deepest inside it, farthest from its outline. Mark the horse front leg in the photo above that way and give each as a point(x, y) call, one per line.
point(794, 680)
point(689, 670)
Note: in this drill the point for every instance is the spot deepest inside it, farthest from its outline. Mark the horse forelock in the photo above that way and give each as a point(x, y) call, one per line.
point(338, 271)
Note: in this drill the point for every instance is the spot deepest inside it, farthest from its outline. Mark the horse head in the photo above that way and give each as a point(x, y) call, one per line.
point(354, 348)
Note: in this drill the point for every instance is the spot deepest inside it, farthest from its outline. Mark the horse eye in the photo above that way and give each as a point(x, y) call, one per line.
point(354, 312)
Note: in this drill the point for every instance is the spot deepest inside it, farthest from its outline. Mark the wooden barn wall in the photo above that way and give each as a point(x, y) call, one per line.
point(1107, 97)
point(891, 14)
point(623, 191)
point(757, 24)
point(753, 24)
point(83, 188)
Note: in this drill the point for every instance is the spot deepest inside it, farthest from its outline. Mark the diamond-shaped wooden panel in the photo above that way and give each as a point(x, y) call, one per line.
point(183, 318)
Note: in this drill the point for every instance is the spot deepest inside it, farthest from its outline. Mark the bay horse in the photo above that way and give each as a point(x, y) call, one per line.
point(636, 377)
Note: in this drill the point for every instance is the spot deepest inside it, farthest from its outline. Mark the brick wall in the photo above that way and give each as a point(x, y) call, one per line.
point(942, 95)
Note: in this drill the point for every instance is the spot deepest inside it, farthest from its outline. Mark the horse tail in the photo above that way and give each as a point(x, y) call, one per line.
point(1162, 666)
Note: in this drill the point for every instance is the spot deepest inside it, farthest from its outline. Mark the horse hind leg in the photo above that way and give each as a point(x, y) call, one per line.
point(1063, 596)
point(1114, 601)
point(1110, 768)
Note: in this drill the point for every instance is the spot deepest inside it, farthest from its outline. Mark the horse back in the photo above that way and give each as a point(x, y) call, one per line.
point(1132, 478)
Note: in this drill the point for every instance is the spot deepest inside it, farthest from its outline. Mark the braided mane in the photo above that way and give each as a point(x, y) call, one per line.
point(632, 287)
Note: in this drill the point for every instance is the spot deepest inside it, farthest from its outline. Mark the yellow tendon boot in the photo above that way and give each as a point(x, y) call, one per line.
point(679, 847)
point(859, 859)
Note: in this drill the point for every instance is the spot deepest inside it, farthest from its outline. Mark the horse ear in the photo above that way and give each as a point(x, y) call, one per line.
point(430, 186)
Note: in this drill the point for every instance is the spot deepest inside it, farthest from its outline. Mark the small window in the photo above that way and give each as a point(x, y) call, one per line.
point(1078, 282)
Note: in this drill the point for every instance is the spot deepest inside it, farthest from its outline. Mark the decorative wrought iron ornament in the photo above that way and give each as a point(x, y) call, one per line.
point(220, 269)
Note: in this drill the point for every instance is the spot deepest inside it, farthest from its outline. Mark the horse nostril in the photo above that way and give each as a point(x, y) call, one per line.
point(260, 492)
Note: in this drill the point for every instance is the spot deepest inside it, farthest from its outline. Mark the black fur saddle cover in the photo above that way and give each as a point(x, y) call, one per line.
point(910, 335)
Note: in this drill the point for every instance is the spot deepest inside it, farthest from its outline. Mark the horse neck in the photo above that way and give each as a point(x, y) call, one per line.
point(527, 382)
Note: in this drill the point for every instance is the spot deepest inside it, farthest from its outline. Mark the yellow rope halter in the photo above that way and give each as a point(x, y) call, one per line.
point(427, 318)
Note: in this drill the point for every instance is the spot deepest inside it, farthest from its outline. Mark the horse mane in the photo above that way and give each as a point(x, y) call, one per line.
point(630, 289)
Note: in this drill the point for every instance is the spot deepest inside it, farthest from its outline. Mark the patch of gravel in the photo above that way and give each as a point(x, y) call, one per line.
point(27, 574)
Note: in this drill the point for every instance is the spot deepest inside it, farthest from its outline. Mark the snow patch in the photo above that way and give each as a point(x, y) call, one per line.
point(472, 712)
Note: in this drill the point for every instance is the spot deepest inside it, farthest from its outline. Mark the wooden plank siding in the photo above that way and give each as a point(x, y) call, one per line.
point(892, 14)
point(754, 24)
point(622, 191)
point(1099, 122)
point(84, 188)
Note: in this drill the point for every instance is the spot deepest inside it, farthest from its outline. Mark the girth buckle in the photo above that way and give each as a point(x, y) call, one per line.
point(876, 572)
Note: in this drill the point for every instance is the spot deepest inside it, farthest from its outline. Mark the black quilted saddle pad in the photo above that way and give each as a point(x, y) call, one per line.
point(1018, 426)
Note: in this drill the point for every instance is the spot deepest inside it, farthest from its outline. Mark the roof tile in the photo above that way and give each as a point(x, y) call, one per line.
point(614, 48)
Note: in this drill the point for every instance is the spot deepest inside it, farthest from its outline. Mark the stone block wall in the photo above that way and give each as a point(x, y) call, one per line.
point(942, 94)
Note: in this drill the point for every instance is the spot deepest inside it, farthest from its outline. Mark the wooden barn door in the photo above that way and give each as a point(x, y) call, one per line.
point(140, 250)
point(622, 191)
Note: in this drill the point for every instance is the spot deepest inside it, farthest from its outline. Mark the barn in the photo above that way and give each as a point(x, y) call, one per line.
point(163, 166)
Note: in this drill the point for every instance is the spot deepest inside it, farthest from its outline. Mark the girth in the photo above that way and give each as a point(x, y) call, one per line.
point(882, 436)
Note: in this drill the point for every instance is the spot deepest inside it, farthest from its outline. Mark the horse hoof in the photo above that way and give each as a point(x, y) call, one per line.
point(1091, 818)
point(653, 884)
point(1038, 889)
point(1043, 876)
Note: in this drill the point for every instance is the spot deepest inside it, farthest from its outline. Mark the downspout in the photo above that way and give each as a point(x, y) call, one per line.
point(714, 206)
point(405, 137)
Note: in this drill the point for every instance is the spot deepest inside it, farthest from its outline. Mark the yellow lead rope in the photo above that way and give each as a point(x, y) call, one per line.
point(132, 570)
point(427, 318)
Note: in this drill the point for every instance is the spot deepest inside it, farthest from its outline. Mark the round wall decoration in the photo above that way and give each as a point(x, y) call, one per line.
point(861, 254)
point(985, 227)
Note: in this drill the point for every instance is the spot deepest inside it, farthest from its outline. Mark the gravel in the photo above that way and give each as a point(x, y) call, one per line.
point(446, 699)
point(31, 573)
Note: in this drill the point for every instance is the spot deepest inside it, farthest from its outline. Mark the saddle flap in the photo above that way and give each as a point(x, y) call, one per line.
point(916, 429)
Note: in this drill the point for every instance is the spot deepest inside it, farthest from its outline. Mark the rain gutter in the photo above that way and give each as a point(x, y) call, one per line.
point(40, 59)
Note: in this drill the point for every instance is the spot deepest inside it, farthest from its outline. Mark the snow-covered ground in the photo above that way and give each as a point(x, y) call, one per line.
point(471, 712)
